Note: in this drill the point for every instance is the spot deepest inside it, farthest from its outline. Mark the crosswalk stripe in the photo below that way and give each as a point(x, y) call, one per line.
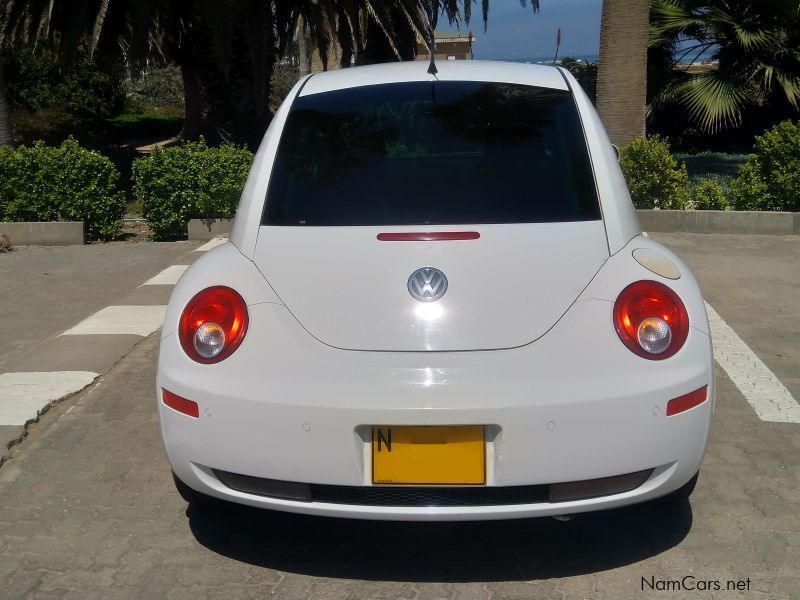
point(213, 243)
point(760, 387)
point(136, 320)
point(168, 276)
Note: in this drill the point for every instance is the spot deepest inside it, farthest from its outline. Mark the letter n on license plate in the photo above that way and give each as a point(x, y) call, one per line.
point(429, 455)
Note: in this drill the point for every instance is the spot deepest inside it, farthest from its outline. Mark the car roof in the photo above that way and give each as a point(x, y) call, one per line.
point(448, 70)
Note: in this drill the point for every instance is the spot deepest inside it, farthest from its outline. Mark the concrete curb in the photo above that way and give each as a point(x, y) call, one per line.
point(207, 229)
point(720, 221)
point(50, 233)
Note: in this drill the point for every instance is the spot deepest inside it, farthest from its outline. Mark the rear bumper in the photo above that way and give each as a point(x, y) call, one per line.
point(569, 407)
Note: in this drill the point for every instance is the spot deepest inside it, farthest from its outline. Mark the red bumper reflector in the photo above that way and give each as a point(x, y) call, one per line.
point(690, 400)
point(434, 236)
point(182, 405)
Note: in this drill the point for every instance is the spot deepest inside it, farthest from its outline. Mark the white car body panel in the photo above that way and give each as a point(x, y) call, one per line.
point(366, 306)
point(561, 398)
point(546, 424)
point(248, 215)
point(475, 70)
point(615, 200)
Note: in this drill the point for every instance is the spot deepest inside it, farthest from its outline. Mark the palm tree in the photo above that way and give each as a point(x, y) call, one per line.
point(227, 49)
point(756, 48)
point(6, 132)
point(622, 72)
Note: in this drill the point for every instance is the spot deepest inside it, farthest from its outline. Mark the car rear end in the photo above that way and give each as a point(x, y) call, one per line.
point(435, 305)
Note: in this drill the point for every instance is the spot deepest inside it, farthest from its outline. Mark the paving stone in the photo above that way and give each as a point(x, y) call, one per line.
point(96, 353)
point(9, 434)
point(147, 295)
point(87, 510)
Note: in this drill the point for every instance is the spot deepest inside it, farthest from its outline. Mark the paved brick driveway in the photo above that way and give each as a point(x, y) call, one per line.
point(87, 510)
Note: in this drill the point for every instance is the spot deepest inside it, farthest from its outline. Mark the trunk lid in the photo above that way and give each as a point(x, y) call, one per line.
point(505, 289)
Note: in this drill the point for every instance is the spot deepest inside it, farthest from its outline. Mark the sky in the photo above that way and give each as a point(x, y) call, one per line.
point(517, 32)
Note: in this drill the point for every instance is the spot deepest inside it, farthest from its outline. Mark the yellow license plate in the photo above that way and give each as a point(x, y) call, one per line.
point(452, 455)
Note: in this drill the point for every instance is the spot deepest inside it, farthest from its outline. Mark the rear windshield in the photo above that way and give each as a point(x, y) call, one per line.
point(416, 153)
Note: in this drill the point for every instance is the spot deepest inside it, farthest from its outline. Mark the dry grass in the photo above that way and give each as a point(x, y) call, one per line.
point(5, 243)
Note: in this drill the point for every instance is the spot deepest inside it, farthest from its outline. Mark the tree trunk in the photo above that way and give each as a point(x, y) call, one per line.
point(622, 74)
point(6, 132)
point(196, 101)
point(226, 95)
point(303, 66)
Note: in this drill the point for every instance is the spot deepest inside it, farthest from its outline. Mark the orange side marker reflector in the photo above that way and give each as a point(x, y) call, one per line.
point(182, 405)
point(690, 400)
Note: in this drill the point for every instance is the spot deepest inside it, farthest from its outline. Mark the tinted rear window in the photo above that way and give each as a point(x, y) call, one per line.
point(432, 153)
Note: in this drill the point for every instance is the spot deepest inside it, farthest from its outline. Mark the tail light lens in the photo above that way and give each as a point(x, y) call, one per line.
point(651, 320)
point(213, 324)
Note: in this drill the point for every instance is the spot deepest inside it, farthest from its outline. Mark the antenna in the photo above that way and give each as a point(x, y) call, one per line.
point(432, 5)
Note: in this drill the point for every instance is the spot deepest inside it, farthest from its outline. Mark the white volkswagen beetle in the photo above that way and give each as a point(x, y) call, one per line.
point(436, 304)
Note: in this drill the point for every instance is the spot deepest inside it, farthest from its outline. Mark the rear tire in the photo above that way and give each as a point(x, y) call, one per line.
point(681, 494)
point(192, 496)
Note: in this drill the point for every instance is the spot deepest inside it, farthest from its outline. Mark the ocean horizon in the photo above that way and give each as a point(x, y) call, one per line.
point(589, 58)
point(541, 59)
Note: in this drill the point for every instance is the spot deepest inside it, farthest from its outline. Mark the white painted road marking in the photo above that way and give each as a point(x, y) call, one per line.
point(168, 276)
point(23, 395)
point(760, 387)
point(217, 241)
point(136, 320)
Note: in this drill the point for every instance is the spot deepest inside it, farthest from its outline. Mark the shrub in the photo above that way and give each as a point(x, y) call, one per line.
point(5, 243)
point(70, 183)
point(191, 181)
point(654, 178)
point(89, 92)
point(709, 195)
point(702, 164)
point(31, 79)
point(284, 76)
point(155, 87)
point(5, 168)
point(749, 190)
point(585, 73)
point(35, 82)
point(770, 179)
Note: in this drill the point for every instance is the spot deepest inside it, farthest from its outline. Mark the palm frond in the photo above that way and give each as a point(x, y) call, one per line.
point(99, 19)
point(713, 99)
point(671, 19)
point(378, 12)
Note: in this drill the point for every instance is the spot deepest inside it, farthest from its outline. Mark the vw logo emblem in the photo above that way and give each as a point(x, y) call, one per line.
point(427, 284)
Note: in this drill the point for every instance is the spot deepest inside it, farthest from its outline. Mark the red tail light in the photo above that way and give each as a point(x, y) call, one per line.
point(651, 320)
point(213, 324)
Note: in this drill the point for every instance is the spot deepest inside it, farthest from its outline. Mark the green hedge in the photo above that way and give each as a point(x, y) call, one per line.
point(709, 195)
point(35, 82)
point(655, 180)
point(770, 179)
point(186, 182)
point(64, 183)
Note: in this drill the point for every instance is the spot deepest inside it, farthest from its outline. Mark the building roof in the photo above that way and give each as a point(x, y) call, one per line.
point(447, 36)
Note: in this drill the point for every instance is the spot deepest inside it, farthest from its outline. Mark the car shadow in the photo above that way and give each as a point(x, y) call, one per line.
point(518, 550)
